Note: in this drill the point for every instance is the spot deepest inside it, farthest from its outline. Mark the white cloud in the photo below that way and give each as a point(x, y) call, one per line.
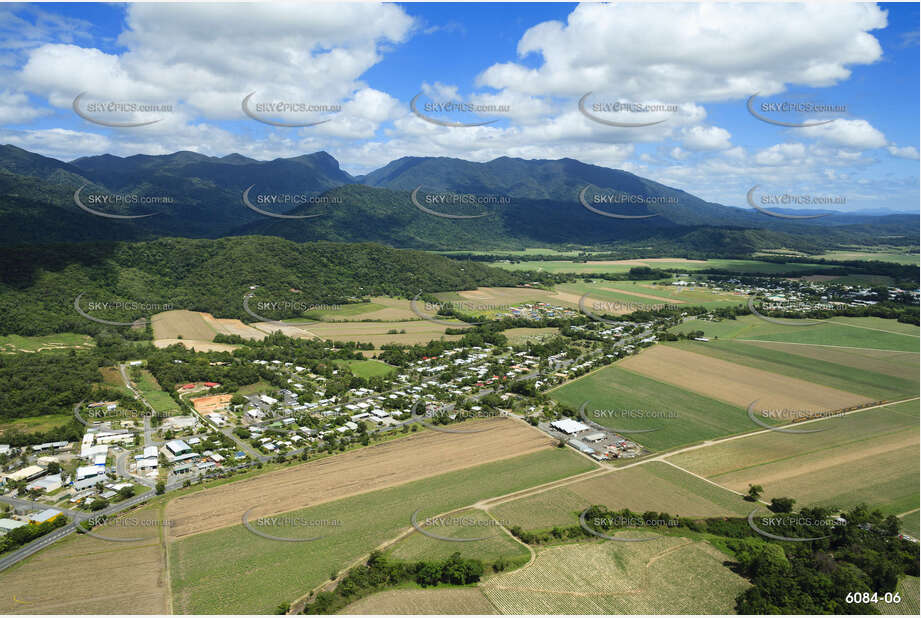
point(903, 152)
point(855, 133)
point(706, 138)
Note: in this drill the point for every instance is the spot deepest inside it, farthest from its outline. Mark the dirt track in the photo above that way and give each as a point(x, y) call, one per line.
point(417, 456)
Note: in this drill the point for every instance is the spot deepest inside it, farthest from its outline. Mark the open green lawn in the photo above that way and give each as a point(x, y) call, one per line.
point(234, 571)
point(152, 392)
point(622, 399)
point(34, 424)
point(870, 333)
point(859, 380)
point(368, 368)
point(59, 341)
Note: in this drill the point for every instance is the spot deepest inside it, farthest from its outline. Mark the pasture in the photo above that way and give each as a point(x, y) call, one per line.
point(681, 264)
point(429, 601)
point(377, 333)
point(60, 341)
point(152, 392)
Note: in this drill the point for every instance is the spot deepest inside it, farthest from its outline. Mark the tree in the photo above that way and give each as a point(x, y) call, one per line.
point(754, 492)
point(781, 505)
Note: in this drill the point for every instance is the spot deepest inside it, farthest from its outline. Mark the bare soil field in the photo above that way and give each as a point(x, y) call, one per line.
point(182, 323)
point(233, 327)
point(736, 384)
point(437, 601)
point(899, 364)
point(210, 403)
point(196, 344)
point(86, 575)
point(417, 456)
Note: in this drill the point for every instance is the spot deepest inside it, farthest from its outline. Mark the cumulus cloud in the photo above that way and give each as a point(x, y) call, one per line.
point(706, 138)
point(903, 152)
point(854, 133)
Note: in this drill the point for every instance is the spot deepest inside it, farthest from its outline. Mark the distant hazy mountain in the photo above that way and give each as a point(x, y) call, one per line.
point(541, 204)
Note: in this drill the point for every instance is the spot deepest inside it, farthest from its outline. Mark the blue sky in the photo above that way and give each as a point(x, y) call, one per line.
point(537, 60)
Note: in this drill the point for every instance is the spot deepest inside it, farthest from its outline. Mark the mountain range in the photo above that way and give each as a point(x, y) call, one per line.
point(534, 203)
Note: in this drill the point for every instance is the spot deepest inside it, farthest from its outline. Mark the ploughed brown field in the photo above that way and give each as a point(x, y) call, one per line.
point(736, 384)
point(428, 453)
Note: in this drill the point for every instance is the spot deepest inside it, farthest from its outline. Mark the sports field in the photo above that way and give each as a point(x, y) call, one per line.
point(654, 486)
point(868, 456)
point(629, 401)
point(368, 368)
point(668, 575)
point(233, 570)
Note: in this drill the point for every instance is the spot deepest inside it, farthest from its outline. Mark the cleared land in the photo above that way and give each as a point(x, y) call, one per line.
point(232, 327)
point(622, 266)
point(60, 341)
point(234, 571)
point(666, 576)
point(181, 323)
point(869, 456)
point(652, 486)
point(120, 576)
point(420, 455)
point(468, 601)
point(152, 392)
point(628, 401)
point(376, 333)
point(521, 335)
point(34, 424)
point(736, 384)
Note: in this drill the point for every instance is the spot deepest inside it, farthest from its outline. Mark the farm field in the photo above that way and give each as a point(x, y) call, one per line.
point(376, 333)
point(232, 327)
point(152, 392)
point(232, 570)
point(505, 297)
point(833, 367)
point(908, 589)
point(645, 293)
point(679, 416)
point(460, 525)
point(910, 524)
point(377, 308)
point(666, 576)
point(60, 341)
point(368, 368)
point(736, 384)
point(181, 323)
point(654, 486)
point(429, 601)
point(419, 455)
point(882, 256)
point(128, 575)
point(868, 456)
point(871, 333)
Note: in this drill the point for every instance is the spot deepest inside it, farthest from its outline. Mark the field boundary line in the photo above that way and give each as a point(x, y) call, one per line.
point(825, 345)
point(908, 512)
point(891, 332)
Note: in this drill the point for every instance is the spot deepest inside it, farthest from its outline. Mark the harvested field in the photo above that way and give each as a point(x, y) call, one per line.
point(670, 575)
point(197, 345)
point(736, 384)
point(182, 323)
point(509, 296)
point(376, 333)
point(908, 589)
point(421, 455)
point(124, 576)
point(869, 456)
point(652, 486)
point(436, 601)
point(233, 327)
